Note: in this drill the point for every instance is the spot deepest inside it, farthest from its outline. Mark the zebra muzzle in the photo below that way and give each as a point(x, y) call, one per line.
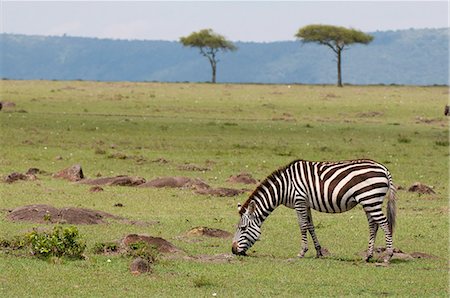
point(235, 250)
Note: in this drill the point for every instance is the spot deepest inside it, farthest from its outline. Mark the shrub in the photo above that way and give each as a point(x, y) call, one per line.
point(105, 247)
point(144, 250)
point(61, 242)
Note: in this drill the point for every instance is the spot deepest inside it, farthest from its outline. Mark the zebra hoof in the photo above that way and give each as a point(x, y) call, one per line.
point(368, 257)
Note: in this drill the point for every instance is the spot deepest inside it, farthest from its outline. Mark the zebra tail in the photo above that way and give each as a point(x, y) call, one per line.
point(391, 206)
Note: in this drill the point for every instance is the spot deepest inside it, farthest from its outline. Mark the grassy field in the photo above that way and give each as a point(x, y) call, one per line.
point(232, 129)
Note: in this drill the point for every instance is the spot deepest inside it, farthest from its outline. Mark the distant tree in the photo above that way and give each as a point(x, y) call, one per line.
point(337, 38)
point(209, 43)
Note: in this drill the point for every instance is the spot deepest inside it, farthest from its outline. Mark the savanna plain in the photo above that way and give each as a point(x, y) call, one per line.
point(151, 130)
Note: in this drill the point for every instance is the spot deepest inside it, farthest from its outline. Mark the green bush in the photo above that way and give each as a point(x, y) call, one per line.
point(61, 242)
point(144, 250)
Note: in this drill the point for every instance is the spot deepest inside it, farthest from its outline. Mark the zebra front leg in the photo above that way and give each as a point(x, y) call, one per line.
point(312, 232)
point(303, 223)
point(373, 228)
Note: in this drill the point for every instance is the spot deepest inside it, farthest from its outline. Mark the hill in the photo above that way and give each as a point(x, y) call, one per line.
point(415, 56)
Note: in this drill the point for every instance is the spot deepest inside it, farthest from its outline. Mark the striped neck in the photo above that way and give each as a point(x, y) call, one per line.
point(271, 193)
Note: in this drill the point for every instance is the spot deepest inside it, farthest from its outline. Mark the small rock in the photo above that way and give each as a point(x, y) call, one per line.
point(139, 265)
point(95, 189)
point(73, 173)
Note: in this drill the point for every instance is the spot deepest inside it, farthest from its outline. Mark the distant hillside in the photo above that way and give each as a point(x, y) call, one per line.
point(394, 57)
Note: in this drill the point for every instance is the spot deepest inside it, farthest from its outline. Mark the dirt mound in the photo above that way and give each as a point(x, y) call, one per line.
point(369, 114)
point(209, 232)
point(196, 184)
point(176, 182)
point(139, 266)
point(73, 173)
point(50, 214)
point(160, 244)
point(221, 192)
point(219, 258)
point(192, 167)
point(398, 255)
point(244, 178)
point(7, 104)
point(113, 181)
point(421, 188)
point(13, 177)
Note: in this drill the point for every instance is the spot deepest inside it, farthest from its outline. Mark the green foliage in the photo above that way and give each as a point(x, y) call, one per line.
point(332, 36)
point(143, 250)
point(207, 40)
point(105, 247)
point(61, 242)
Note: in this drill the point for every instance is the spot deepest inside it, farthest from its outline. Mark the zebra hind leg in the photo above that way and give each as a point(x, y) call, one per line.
point(389, 247)
point(373, 228)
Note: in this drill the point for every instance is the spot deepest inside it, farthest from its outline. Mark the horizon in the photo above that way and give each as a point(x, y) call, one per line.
point(177, 41)
point(250, 21)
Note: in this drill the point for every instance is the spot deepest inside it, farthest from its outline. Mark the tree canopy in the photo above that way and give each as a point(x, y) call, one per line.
point(335, 37)
point(209, 43)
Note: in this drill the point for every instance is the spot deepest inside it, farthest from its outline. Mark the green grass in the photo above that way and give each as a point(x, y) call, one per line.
point(252, 128)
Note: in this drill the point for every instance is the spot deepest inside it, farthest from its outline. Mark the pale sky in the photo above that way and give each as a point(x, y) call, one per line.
point(236, 20)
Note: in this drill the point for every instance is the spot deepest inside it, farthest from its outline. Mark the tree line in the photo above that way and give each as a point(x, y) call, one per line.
point(336, 38)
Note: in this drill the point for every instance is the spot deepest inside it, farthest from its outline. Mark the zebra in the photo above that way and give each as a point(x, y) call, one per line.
point(331, 187)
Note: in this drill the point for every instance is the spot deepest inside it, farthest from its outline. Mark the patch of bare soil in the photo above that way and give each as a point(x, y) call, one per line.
point(49, 214)
point(434, 121)
point(285, 117)
point(160, 160)
point(160, 244)
point(73, 173)
point(209, 232)
point(421, 188)
point(115, 181)
point(244, 178)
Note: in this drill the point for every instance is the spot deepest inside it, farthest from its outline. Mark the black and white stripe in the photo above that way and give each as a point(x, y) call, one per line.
point(330, 187)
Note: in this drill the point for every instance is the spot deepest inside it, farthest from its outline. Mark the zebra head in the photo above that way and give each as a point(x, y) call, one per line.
point(248, 230)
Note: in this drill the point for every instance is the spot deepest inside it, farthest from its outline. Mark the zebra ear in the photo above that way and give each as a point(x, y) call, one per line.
point(239, 206)
point(251, 207)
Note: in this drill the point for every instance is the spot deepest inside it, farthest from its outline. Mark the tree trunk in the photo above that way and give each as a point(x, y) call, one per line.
point(213, 66)
point(339, 72)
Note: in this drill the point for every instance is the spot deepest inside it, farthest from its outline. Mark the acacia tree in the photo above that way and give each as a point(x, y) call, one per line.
point(209, 43)
point(337, 38)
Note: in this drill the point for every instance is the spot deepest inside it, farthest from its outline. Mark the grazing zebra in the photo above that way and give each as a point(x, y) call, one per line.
point(330, 187)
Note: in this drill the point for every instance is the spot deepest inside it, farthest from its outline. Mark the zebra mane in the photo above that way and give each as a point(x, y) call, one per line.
point(263, 183)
